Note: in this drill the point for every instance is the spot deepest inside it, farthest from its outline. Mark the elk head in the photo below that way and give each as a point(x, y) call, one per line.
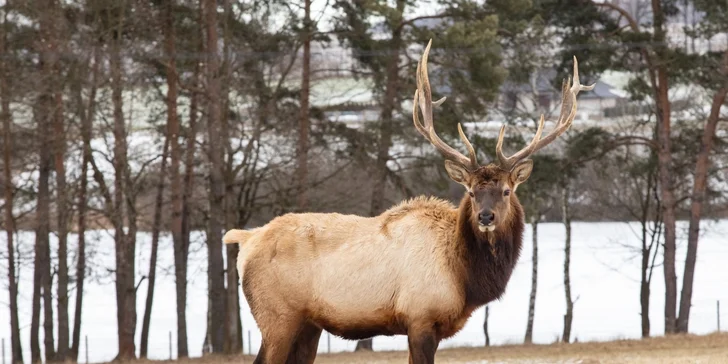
point(490, 187)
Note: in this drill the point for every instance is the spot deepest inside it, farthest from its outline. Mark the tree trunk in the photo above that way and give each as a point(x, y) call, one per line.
point(669, 218)
point(181, 252)
point(8, 193)
point(173, 131)
point(534, 280)
point(47, 287)
point(233, 340)
point(485, 325)
point(87, 120)
point(42, 233)
point(646, 271)
point(645, 305)
point(216, 279)
point(698, 198)
point(62, 215)
point(304, 124)
point(645, 283)
point(189, 178)
point(48, 56)
point(152, 275)
point(664, 158)
point(59, 152)
point(41, 274)
point(125, 242)
point(233, 336)
point(35, 314)
point(569, 316)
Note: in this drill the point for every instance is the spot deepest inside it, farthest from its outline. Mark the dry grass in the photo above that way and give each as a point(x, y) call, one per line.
point(672, 350)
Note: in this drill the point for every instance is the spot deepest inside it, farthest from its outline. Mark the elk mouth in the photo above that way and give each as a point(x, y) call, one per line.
point(483, 228)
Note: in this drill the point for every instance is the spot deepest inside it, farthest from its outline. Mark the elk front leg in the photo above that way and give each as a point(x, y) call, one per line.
point(306, 345)
point(422, 345)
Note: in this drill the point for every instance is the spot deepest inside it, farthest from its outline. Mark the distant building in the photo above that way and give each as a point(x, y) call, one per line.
point(541, 95)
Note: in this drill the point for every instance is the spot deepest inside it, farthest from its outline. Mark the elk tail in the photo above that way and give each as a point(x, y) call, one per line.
point(237, 236)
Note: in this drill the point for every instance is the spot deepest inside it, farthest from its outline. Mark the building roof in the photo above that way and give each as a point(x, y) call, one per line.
point(544, 84)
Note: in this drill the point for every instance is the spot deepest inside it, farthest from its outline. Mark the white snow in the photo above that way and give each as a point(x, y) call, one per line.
point(605, 278)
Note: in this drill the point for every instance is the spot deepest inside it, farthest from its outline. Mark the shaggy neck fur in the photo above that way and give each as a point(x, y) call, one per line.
point(489, 256)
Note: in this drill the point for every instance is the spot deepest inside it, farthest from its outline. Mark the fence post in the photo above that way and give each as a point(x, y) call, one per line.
point(328, 341)
point(170, 344)
point(250, 347)
point(86, 340)
point(3, 350)
point(717, 306)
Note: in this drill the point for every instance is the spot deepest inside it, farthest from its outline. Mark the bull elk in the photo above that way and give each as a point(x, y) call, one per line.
point(419, 269)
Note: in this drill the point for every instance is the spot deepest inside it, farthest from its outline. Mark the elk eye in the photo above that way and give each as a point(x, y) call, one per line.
point(471, 194)
point(506, 192)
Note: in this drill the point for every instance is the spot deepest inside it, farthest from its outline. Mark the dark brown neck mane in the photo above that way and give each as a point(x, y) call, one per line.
point(490, 256)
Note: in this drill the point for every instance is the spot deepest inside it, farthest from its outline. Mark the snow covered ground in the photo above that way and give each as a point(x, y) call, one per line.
point(605, 282)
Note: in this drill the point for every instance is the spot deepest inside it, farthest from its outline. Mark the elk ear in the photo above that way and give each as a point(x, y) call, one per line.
point(458, 173)
point(520, 172)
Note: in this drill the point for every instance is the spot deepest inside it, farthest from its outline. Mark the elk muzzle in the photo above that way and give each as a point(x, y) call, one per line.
point(486, 220)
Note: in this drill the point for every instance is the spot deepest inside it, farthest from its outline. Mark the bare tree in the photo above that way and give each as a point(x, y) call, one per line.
point(626, 184)
point(216, 278)
point(181, 251)
point(650, 248)
point(233, 337)
point(528, 339)
point(62, 210)
point(657, 70)
point(699, 195)
point(86, 115)
point(8, 193)
point(123, 206)
point(176, 194)
point(304, 124)
point(152, 275)
point(566, 216)
point(485, 325)
point(44, 116)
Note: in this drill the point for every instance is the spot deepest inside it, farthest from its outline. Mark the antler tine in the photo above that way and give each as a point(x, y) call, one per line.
point(423, 99)
point(508, 162)
point(471, 150)
point(566, 117)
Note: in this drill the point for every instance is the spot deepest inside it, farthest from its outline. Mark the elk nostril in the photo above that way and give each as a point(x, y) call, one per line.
point(487, 217)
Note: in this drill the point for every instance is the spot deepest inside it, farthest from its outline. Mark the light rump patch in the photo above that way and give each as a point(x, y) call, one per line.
point(421, 268)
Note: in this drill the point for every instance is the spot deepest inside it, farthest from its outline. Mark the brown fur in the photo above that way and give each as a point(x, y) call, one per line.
point(419, 269)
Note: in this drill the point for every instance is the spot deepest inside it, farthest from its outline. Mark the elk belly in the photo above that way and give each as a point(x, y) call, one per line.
point(378, 284)
point(354, 290)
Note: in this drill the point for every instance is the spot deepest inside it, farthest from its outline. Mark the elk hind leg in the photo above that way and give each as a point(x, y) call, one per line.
point(423, 344)
point(278, 337)
point(306, 345)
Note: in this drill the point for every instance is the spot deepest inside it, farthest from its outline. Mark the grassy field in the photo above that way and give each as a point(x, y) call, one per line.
point(672, 350)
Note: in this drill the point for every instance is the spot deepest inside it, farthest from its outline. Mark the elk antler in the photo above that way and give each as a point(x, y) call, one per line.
point(568, 104)
point(423, 99)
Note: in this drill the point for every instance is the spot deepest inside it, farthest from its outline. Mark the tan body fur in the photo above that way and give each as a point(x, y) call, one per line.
point(356, 277)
